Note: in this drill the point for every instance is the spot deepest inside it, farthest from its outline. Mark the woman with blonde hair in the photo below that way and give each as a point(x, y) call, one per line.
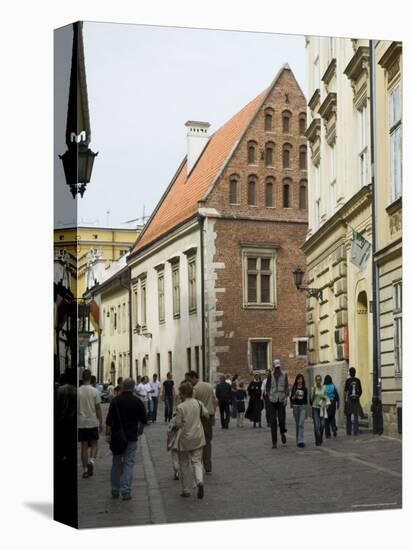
point(190, 440)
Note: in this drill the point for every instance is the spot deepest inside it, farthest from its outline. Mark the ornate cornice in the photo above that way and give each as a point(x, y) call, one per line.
point(330, 71)
point(328, 106)
point(391, 55)
point(313, 130)
point(314, 100)
point(358, 63)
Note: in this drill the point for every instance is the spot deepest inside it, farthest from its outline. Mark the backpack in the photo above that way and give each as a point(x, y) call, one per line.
point(353, 389)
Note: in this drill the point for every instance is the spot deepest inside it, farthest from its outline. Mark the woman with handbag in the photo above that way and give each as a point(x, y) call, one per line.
point(318, 400)
point(333, 396)
point(190, 440)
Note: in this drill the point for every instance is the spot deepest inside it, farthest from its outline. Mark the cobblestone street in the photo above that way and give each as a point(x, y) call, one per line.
point(249, 479)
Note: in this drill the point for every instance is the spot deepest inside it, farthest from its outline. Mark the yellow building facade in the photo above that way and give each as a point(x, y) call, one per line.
point(109, 244)
point(388, 256)
point(339, 325)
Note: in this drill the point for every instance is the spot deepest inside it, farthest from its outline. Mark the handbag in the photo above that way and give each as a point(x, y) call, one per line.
point(119, 441)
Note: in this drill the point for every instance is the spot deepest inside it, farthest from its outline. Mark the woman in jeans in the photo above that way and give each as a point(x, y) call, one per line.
point(333, 396)
point(318, 400)
point(299, 400)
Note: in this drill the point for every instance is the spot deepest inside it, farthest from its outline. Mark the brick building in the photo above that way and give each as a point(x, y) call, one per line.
point(211, 273)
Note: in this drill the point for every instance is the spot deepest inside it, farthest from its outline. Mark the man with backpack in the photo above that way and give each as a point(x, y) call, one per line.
point(352, 391)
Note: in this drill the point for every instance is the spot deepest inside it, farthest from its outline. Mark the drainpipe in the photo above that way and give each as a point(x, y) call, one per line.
point(206, 373)
point(376, 408)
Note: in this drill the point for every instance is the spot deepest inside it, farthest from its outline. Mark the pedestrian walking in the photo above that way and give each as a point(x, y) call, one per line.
point(352, 392)
point(255, 405)
point(299, 401)
point(149, 393)
point(141, 392)
point(110, 390)
point(155, 387)
point(89, 422)
point(168, 395)
point(124, 423)
point(118, 388)
point(224, 397)
point(333, 397)
point(172, 433)
point(203, 391)
point(240, 396)
point(277, 391)
point(318, 400)
point(190, 440)
point(265, 397)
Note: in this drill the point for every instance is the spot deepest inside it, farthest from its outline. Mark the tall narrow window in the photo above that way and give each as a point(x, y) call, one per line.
point(303, 195)
point(363, 145)
point(197, 360)
point(395, 136)
point(192, 284)
point(317, 196)
point(286, 194)
point(233, 190)
point(158, 364)
point(269, 193)
point(176, 289)
point(333, 197)
point(251, 192)
point(135, 306)
point(286, 122)
point(268, 121)
point(397, 326)
point(161, 295)
point(269, 148)
point(287, 148)
point(302, 157)
point(170, 361)
point(302, 124)
point(189, 359)
point(251, 152)
point(143, 301)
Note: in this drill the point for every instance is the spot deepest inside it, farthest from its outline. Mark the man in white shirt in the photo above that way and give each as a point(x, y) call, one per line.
point(155, 387)
point(143, 392)
point(89, 422)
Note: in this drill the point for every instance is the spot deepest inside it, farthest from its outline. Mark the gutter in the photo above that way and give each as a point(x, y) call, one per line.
point(206, 373)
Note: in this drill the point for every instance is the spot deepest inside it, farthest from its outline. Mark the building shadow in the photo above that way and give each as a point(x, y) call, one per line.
point(43, 508)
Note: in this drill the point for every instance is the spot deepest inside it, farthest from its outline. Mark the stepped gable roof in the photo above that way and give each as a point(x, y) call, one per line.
point(180, 200)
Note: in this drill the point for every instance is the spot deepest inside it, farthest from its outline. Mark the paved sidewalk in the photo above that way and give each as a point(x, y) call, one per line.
point(250, 479)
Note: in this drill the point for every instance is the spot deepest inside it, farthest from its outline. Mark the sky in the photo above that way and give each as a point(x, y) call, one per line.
point(144, 83)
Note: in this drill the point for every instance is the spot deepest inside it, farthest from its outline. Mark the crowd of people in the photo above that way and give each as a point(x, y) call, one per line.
point(189, 412)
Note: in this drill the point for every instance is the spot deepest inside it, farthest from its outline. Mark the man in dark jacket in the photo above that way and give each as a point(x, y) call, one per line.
point(224, 397)
point(277, 391)
point(124, 423)
point(353, 391)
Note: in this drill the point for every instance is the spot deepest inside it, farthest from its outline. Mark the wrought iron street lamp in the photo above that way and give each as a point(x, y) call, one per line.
point(311, 292)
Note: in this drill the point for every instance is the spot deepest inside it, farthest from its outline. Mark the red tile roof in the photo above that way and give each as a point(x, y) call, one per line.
point(180, 201)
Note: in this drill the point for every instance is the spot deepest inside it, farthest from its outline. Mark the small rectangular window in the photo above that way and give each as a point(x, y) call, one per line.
point(192, 284)
point(259, 353)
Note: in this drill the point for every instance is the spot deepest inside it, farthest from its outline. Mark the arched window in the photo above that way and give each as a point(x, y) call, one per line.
point(286, 121)
point(251, 152)
point(269, 192)
point(287, 150)
point(251, 191)
point(269, 153)
point(268, 120)
point(286, 193)
point(303, 195)
point(234, 189)
point(302, 157)
point(302, 124)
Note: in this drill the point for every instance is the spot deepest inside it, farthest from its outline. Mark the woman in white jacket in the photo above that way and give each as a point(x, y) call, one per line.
point(190, 440)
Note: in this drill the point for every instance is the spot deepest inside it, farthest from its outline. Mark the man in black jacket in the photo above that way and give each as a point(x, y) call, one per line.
point(277, 391)
point(224, 397)
point(124, 423)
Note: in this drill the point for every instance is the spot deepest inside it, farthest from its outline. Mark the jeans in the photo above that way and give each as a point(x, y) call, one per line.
point(349, 424)
point(154, 409)
point(318, 425)
point(299, 416)
point(330, 421)
point(168, 408)
point(224, 408)
point(122, 469)
point(276, 413)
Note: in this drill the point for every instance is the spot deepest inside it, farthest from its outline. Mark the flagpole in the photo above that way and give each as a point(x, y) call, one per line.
point(99, 344)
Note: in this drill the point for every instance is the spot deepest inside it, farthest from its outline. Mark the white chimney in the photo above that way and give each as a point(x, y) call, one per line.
point(197, 137)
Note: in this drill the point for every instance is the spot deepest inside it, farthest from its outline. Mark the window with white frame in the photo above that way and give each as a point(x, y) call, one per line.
point(332, 184)
point(317, 195)
point(191, 264)
point(301, 346)
point(259, 276)
point(363, 145)
point(397, 326)
point(395, 136)
point(143, 310)
point(176, 289)
point(161, 295)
